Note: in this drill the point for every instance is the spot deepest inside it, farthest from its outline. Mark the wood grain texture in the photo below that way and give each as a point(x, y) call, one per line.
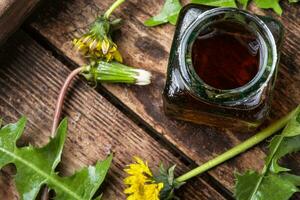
point(12, 14)
point(149, 48)
point(30, 79)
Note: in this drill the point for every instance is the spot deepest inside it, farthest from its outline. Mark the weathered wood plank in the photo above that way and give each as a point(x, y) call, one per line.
point(149, 48)
point(30, 80)
point(12, 14)
point(7, 187)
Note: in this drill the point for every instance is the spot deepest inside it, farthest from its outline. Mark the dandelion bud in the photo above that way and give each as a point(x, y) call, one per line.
point(115, 73)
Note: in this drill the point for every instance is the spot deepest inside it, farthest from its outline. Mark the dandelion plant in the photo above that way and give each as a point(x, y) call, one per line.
point(274, 179)
point(104, 59)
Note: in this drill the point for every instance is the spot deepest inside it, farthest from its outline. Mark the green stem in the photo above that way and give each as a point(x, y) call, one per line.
point(113, 7)
point(254, 140)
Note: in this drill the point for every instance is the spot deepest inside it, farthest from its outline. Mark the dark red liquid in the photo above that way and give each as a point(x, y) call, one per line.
point(226, 55)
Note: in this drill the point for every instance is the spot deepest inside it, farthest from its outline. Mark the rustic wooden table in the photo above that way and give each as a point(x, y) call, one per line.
point(126, 120)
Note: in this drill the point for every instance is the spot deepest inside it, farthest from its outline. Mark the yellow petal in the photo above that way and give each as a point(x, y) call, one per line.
point(141, 185)
point(118, 56)
point(105, 46)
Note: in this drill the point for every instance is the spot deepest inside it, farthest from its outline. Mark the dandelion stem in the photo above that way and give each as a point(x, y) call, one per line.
point(254, 140)
point(61, 98)
point(112, 8)
point(57, 113)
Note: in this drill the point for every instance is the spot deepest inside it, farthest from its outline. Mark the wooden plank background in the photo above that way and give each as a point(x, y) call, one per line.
point(30, 80)
point(149, 48)
point(12, 15)
point(31, 85)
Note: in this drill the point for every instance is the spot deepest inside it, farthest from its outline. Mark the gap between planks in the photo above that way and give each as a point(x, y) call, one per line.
point(147, 48)
point(21, 96)
point(56, 24)
point(58, 54)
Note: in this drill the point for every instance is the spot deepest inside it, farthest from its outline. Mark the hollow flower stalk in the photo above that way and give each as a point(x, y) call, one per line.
point(170, 184)
point(98, 72)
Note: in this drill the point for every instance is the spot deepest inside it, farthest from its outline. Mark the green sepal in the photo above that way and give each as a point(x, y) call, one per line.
point(114, 72)
point(36, 166)
point(103, 28)
point(109, 72)
point(166, 176)
point(100, 28)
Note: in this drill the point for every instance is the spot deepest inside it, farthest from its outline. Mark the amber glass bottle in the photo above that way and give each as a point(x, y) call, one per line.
point(222, 67)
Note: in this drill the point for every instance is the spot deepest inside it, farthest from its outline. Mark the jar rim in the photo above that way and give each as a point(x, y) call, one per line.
point(204, 91)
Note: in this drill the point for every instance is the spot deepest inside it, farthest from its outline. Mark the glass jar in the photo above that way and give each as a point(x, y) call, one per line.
point(187, 97)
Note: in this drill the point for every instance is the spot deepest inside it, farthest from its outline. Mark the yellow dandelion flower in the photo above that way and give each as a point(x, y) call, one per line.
point(96, 46)
point(142, 185)
point(97, 43)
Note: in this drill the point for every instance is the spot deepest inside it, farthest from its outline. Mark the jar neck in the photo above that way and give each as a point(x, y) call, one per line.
point(268, 57)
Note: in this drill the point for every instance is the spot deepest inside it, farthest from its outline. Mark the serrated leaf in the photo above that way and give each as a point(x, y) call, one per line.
point(286, 143)
point(217, 3)
point(169, 13)
point(276, 188)
point(287, 146)
point(85, 182)
point(272, 187)
point(245, 184)
point(36, 166)
point(272, 4)
point(274, 182)
point(292, 178)
point(293, 127)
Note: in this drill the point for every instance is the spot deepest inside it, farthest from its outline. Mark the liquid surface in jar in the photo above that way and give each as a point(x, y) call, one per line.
point(226, 55)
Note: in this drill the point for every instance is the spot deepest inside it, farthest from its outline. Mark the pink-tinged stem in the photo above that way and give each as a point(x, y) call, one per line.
point(57, 113)
point(45, 194)
point(61, 97)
